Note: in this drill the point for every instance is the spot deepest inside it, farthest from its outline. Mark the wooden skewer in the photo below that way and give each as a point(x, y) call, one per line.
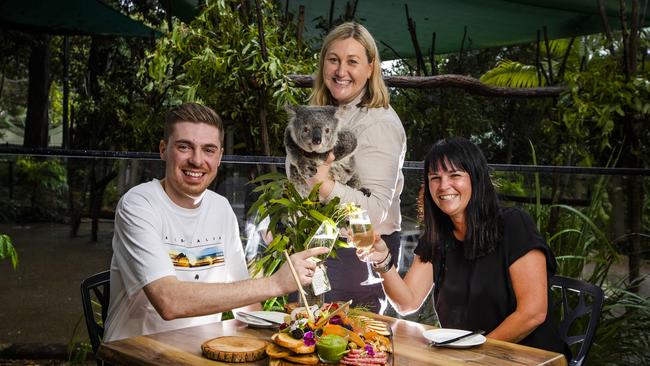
point(324, 321)
point(302, 292)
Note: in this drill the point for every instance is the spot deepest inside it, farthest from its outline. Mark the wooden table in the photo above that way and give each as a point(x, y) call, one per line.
point(183, 347)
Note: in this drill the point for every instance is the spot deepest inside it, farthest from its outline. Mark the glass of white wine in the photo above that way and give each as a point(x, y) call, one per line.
point(362, 237)
point(325, 236)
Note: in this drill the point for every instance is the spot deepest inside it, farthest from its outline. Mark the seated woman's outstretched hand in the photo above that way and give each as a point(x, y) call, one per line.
point(376, 253)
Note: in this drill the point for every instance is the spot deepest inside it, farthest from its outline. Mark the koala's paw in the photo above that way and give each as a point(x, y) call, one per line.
point(308, 169)
point(365, 191)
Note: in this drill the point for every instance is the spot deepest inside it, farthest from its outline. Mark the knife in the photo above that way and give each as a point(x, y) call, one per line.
point(258, 318)
point(455, 339)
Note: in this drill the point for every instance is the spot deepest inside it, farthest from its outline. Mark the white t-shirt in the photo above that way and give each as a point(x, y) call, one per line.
point(155, 238)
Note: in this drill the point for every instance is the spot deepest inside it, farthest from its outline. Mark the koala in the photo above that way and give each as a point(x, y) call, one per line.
point(312, 132)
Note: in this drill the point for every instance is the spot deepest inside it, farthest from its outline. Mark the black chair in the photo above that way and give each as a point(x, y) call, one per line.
point(95, 295)
point(581, 304)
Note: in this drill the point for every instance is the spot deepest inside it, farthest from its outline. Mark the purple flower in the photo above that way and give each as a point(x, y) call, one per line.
point(308, 339)
point(336, 320)
point(368, 348)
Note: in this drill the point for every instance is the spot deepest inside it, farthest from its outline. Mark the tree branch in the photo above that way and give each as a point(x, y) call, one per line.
point(331, 15)
point(416, 44)
point(608, 29)
point(469, 84)
point(301, 25)
point(432, 54)
point(399, 57)
point(548, 57)
point(459, 67)
point(560, 73)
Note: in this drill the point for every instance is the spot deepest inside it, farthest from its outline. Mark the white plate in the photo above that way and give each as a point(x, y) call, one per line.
point(258, 323)
point(443, 334)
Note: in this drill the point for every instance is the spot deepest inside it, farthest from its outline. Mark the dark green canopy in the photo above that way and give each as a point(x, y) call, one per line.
point(489, 23)
point(69, 17)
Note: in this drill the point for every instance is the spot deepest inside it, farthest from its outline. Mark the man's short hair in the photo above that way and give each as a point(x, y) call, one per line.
point(194, 113)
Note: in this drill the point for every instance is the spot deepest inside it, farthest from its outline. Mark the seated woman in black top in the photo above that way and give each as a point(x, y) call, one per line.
point(490, 264)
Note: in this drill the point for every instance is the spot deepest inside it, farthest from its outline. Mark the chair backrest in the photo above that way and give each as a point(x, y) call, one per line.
point(581, 304)
point(95, 295)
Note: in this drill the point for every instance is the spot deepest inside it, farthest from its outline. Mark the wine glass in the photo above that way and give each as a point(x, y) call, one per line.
point(362, 237)
point(325, 236)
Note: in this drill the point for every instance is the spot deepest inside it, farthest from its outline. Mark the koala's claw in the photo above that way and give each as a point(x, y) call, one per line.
point(308, 169)
point(365, 191)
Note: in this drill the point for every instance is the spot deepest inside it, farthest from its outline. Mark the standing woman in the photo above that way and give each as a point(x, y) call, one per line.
point(349, 77)
point(490, 264)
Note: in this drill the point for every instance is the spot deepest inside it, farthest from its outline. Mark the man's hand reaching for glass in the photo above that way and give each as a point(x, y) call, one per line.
point(304, 269)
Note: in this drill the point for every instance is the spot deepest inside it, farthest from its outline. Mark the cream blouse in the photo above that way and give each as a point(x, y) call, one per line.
point(381, 146)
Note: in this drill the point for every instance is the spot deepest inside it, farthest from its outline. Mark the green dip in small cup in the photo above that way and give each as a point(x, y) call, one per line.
point(331, 348)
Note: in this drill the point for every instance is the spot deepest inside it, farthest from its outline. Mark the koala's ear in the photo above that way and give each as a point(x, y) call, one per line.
point(337, 113)
point(290, 109)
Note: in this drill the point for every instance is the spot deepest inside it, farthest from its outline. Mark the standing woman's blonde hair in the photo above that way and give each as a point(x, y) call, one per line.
point(376, 93)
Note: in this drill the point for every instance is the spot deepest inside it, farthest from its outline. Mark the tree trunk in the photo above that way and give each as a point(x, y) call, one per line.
point(37, 121)
point(97, 189)
point(617, 223)
point(635, 187)
point(264, 130)
point(261, 92)
point(77, 186)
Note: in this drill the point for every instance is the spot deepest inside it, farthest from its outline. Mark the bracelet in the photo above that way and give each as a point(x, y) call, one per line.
point(386, 267)
point(377, 264)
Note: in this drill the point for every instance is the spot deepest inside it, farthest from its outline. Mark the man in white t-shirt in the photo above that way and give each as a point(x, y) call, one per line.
point(177, 257)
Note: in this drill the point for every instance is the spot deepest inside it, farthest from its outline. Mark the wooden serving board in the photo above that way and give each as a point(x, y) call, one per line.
point(234, 349)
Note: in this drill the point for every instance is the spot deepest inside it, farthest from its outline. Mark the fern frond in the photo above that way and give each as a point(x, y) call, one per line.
point(512, 74)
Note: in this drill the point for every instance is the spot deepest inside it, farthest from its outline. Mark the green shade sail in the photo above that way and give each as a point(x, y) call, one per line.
point(489, 23)
point(70, 17)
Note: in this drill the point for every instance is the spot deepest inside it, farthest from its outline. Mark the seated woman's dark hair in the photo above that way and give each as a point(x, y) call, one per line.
point(482, 212)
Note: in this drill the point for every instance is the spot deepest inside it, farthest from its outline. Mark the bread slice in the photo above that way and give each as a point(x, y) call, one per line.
point(295, 345)
point(276, 351)
point(310, 359)
point(290, 306)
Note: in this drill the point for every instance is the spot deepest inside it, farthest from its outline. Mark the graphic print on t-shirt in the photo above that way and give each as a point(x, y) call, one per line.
point(207, 255)
point(195, 254)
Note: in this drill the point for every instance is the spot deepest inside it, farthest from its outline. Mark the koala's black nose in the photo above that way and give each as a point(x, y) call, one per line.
point(316, 136)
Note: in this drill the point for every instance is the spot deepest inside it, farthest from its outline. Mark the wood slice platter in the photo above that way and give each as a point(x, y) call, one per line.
point(234, 349)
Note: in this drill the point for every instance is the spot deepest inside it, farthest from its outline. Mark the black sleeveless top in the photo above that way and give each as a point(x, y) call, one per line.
point(478, 294)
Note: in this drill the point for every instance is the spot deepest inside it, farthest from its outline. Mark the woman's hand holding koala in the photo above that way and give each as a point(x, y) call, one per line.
point(323, 176)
